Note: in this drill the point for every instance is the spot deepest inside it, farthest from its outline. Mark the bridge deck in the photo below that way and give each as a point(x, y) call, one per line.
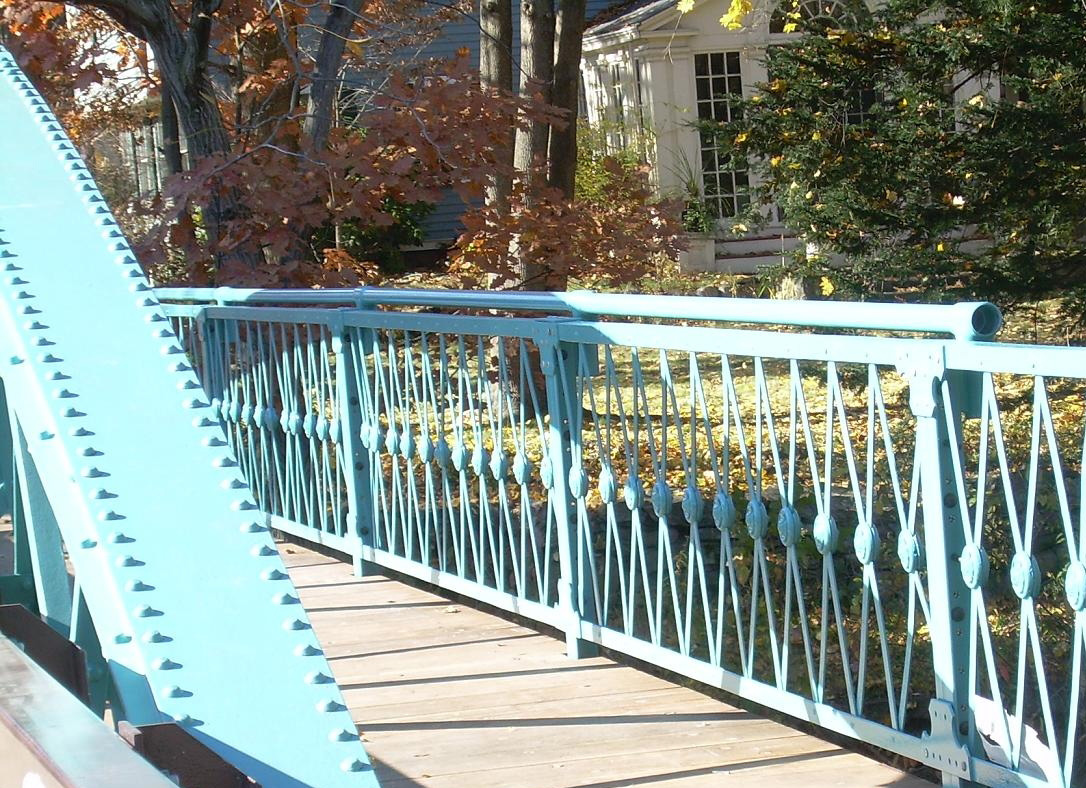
point(447, 696)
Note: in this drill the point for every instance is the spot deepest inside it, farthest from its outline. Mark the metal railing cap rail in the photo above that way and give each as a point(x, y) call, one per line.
point(975, 320)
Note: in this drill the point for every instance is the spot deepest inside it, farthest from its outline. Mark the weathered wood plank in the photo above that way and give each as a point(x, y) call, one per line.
point(448, 696)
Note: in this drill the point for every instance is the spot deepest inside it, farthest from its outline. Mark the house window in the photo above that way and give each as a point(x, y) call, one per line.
point(718, 79)
point(823, 13)
point(640, 80)
point(617, 134)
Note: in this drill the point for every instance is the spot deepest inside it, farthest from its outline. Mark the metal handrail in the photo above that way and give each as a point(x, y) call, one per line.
point(975, 320)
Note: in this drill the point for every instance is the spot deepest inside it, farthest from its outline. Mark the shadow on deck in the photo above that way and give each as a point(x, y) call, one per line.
point(446, 695)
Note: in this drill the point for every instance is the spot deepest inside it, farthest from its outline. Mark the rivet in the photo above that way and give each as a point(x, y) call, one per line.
point(117, 537)
point(80, 432)
point(353, 765)
point(262, 550)
point(43, 342)
point(295, 624)
point(174, 692)
point(193, 404)
point(136, 585)
point(139, 287)
point(48, 358)
point(122, 638)
point(110, 516)
point(90, 451)
point(154, 636)
point(306, 650)
point(165, 663)
point(204, 421)
point(343, 735)
point(171, 350)
point(234, 484)
point(17, 280)
point(188, 385)
point(214, 440)
point(316, 677)
point(93, 473)
point(72, 413)
point(29, 310)
point(184, 719)
point(330, 706)
point(127, 560)
point(224, 462)
point(36, 325)
point(87, 544)
point(145, 611)
point(252, 528)
point(23, 294)
point(273, 574)
point(146, 302)
point(243, 506)
point(58, 375)
point(46, 435)
point(15, 360)
point(179, 366)
point(102, 493)
point(124, 259)
point(285, 599)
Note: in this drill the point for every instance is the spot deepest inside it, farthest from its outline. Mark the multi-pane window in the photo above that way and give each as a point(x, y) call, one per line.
point(718, 79)
point(617, 133)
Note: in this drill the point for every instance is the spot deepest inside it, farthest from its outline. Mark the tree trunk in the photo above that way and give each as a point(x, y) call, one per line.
point(496, 70)
point(562, 158)
point(536, 77)
point(325, 80)
point(171, 135)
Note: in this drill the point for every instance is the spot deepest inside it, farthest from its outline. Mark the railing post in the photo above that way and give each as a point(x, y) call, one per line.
point(938, 422)
point(558, 361)
point(356, 458)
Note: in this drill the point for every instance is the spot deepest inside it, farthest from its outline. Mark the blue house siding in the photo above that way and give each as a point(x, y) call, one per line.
point(443, 225)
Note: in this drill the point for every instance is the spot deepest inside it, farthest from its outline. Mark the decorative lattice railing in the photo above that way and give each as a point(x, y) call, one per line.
point(882, 534)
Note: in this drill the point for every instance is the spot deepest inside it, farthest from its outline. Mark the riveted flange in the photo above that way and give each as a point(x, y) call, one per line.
point(633, 493)
point(789, 526)
point(866, 543)
point(757, 518)
point(606, 484)
point(478, 459)
point(693, 504)
point(442, 454)
point(724, 513)
point(460, 456)
point(522, 468)
point(974, 563)
point(825, 533)
point(546, 472)
point(578, 481)
point(1025, 575)
point(661, 499)
point(1074, 586)
point(908, 550)
point(499, 464)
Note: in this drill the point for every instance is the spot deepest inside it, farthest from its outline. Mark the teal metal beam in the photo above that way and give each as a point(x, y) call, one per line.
point(197, 619)
point(969, 320)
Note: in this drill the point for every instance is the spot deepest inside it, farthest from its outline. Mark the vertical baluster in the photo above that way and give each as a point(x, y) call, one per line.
point(559, 363)
point(934, 406)
point(353, 456)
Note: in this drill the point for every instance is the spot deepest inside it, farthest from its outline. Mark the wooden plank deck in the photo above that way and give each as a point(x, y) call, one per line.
point(445, 695)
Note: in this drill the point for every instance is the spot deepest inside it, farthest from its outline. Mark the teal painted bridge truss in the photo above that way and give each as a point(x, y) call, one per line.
point(123, 475)
point(881, 534)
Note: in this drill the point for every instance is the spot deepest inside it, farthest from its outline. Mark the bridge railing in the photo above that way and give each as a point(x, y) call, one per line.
point(881, 534)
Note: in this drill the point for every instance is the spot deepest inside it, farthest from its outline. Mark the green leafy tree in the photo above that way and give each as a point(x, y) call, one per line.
point(936, 146)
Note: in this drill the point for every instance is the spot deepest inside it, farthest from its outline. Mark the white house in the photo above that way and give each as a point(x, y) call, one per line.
point(648, 67)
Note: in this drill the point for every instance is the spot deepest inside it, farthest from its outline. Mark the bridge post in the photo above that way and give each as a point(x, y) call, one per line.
point(346, 344)
point(936, 401)
point(559, 364)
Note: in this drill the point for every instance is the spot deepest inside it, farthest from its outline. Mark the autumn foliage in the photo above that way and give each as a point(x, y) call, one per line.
point(302, 117)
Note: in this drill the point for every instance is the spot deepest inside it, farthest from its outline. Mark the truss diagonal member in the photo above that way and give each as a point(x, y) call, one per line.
point(197, 618)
